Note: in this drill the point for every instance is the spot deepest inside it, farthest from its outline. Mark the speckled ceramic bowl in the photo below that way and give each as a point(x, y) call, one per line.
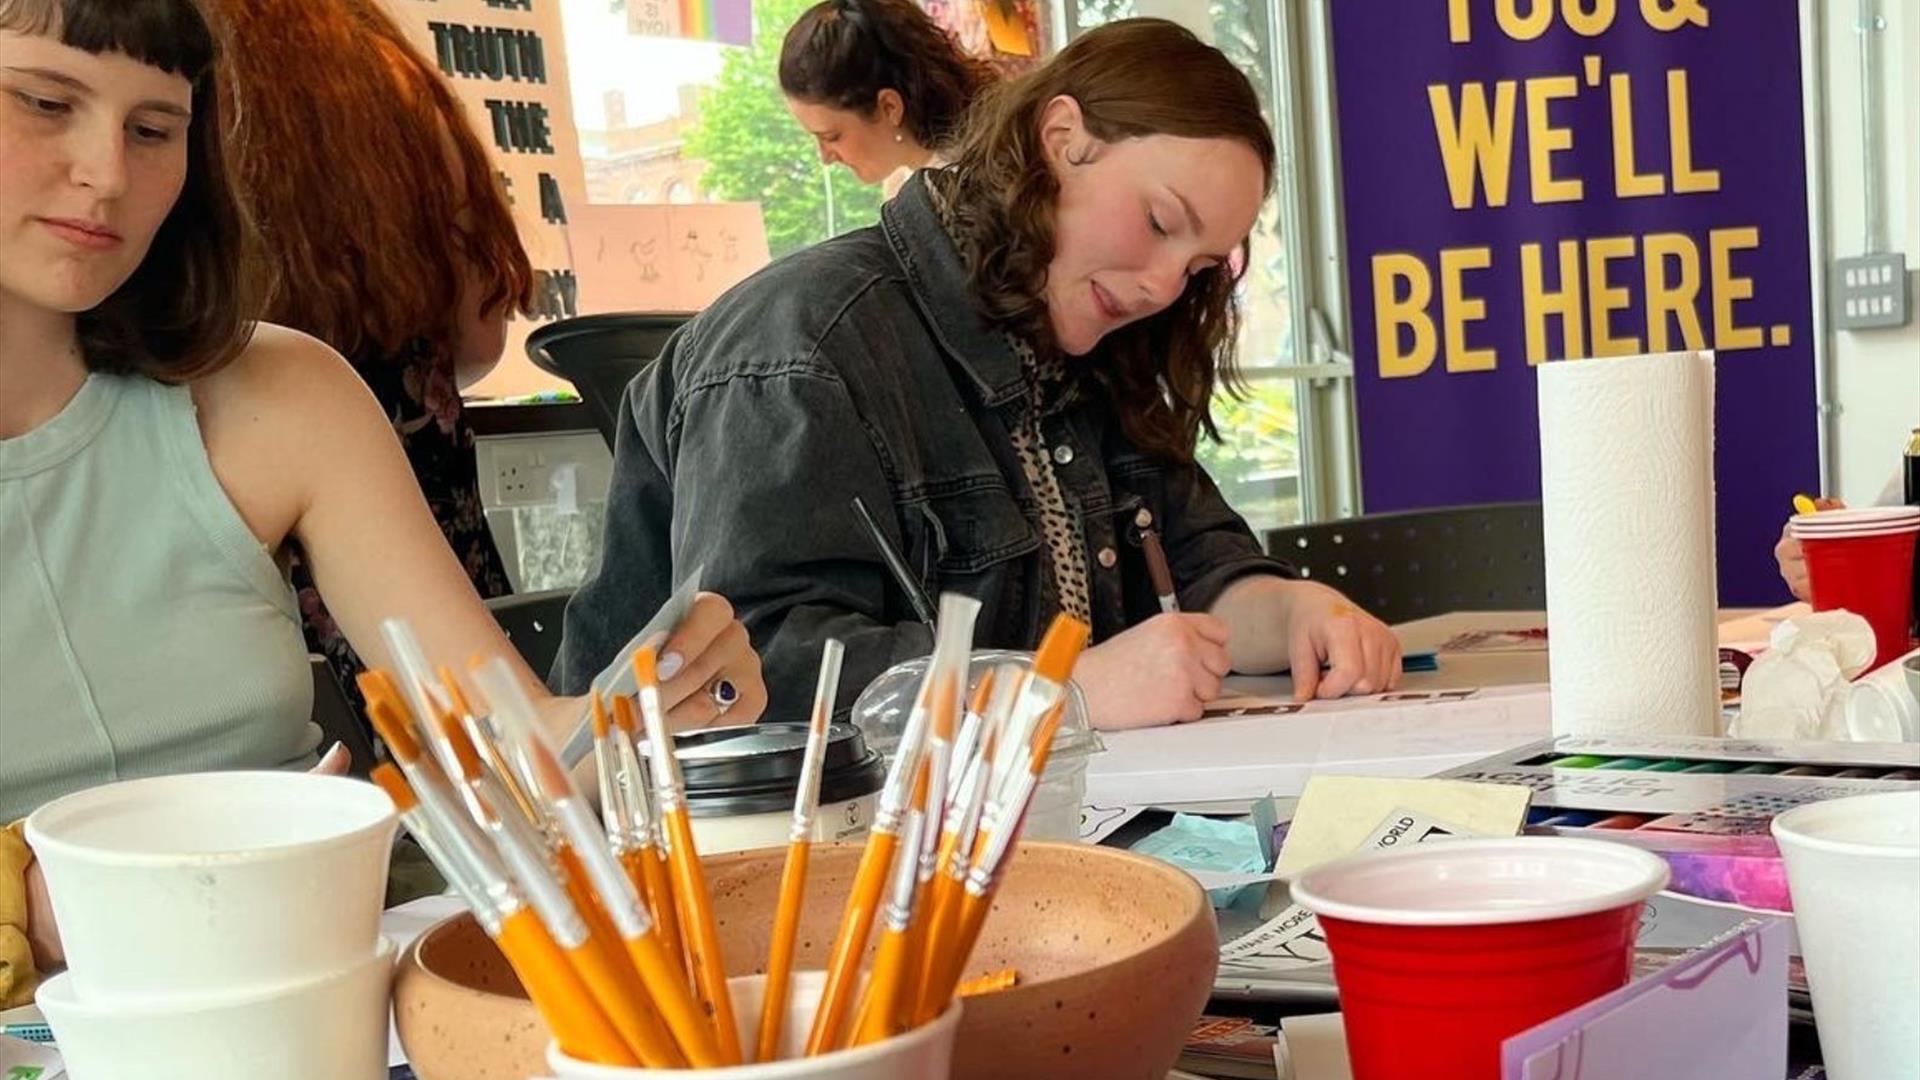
point(1115, 952)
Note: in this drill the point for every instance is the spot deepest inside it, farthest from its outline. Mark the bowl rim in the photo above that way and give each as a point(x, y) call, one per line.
point(79, 802)
point(1199, 907)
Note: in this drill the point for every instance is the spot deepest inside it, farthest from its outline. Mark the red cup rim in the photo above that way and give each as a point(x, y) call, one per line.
point(1856, 533)
point(1618, 875)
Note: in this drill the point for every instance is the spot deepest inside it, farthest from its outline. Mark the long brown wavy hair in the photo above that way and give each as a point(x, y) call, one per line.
point(842, 53)
point(186, 311)
point(372, 195)
point(1132, 78)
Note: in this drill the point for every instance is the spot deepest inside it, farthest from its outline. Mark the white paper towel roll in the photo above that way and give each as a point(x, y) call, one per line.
point(1626, 473)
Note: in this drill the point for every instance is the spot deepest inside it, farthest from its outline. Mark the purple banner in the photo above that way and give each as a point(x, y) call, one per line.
point(1533, 180)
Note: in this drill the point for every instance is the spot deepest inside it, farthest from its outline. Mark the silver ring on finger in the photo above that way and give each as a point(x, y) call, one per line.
point(724, 694)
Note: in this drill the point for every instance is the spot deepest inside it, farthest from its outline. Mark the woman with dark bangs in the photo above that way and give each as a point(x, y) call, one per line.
point(383, 233)
point(159, 454)
point(1012, 370)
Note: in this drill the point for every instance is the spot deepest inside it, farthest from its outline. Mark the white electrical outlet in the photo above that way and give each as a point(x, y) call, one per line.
point(518, 470)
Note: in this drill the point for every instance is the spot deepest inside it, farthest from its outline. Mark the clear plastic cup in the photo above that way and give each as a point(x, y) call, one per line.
point(881, 714)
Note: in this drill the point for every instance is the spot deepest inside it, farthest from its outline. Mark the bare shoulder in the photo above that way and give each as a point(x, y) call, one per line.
point(276, 421)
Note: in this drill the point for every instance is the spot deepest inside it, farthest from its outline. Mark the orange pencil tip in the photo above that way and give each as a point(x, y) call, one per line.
point(395, 786)
point(1060, 648)
point(646, 667)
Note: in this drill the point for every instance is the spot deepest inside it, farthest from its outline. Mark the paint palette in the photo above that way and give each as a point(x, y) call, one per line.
point(1704, 805)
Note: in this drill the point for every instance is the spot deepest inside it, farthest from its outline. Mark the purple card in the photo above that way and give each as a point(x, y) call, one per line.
point(1719, 1013)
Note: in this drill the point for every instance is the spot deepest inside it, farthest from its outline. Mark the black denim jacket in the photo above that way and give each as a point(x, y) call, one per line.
point(860, 367)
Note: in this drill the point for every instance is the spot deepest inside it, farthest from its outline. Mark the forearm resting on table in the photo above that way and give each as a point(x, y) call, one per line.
point(1254, 608)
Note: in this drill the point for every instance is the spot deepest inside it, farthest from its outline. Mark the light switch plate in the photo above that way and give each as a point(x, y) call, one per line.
point(1870, 292)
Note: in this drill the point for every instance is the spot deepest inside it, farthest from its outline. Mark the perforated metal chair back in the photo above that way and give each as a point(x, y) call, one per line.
point(601, 354)
point(532, 622)
point(1410, 565)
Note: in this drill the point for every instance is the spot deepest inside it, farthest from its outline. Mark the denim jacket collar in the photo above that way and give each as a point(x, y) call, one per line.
point(938, 279)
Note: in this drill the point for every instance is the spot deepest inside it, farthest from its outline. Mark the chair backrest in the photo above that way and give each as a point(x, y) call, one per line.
point(601, 354)
point(532, 622)
point(1417, 563)
point(336, 717)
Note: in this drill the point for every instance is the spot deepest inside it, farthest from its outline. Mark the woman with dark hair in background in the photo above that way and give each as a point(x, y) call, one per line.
point(1012, 370)
point(383, 233)
point(879, 85)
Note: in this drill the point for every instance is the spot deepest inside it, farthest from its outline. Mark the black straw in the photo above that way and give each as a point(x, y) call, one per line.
point(896, 563)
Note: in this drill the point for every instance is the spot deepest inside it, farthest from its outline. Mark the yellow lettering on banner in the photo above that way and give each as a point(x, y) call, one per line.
point(1627, 183)
point(1544, 140)
point(1458, 30)
point(1686, 179)
point(1392, 311)
point(1457, 309)
point(1475, 142)
point(1523, 27)
point(1590, 20)
point(1564, 305)
point(1665, 15)
point(1604, 298)
point(1674, 296)
point(1721, 244)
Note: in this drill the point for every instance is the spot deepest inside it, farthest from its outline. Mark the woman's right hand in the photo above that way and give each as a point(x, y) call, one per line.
point(1793, 564)
point(1163, 671)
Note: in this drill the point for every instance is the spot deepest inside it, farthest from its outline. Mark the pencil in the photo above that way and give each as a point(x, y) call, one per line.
point(951, 644)
point(690, 1039)
point(565, 1004)
point(793, 876)
point(650, 843)
point(878, 1013)
point(896, 564)
point(1158, 571)
point(697, 928)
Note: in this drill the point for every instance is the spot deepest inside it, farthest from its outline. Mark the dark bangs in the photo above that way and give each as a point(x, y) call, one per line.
point(167, 34)
point(188, 307)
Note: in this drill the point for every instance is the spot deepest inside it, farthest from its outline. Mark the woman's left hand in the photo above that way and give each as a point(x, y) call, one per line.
point(708, 653)
point(1361, 652)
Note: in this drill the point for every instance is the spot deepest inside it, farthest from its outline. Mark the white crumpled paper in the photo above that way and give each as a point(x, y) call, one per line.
point(1799, 687)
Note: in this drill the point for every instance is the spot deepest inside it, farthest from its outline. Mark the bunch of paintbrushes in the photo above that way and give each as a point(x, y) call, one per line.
point(606, 917)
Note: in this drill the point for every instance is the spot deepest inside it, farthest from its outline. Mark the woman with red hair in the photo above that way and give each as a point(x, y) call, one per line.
point(382, 233)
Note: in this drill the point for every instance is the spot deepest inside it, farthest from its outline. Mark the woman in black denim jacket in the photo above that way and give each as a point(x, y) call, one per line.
point(1012, 369)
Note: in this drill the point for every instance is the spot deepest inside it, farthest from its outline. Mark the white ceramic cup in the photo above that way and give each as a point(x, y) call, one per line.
point(214, 882)
point(333, 1027)
point(1853, 867)
point(924, 1053)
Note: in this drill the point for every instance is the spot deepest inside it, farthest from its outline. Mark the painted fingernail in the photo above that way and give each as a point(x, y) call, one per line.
point(670, 665)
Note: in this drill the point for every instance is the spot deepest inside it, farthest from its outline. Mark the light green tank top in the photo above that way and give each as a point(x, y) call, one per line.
point(143, 628)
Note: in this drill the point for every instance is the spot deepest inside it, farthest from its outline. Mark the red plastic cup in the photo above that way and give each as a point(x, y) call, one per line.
point(1869, 574)
point(1443, 951)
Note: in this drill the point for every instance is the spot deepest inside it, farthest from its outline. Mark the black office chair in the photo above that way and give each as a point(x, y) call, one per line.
point(601, 354)
point(337, 719)
point(1417, 563)
point(532, 622)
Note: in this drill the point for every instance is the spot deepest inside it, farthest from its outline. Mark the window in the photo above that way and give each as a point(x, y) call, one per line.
point(666, 120)
point(1257, 461)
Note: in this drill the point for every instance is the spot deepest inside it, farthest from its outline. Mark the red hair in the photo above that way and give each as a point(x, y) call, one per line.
point(374, 199)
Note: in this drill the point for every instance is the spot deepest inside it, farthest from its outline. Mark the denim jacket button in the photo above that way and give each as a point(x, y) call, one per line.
point(1063, 454)
point(1108, 557)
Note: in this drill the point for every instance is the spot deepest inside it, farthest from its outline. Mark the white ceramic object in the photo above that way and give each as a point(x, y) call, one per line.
point(924, 1053)
point(333, 1027)
point(214, 882)
point(1853, 867)
point(1479, 882)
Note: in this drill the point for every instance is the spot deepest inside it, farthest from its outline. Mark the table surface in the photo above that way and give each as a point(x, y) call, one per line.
point(1459, 670)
